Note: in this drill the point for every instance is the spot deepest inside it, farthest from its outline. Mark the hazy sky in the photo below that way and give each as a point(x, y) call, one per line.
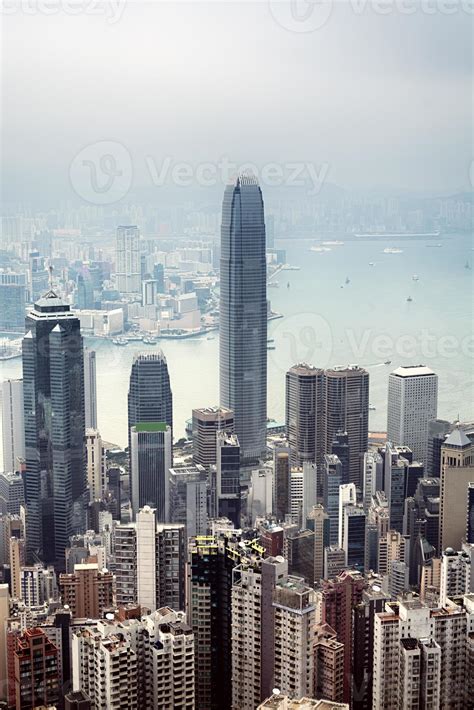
point(379, 99)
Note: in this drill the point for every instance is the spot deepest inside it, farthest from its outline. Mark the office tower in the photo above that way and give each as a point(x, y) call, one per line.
point(412, 404)
point(149, 292)
point(151, 458)
point(207, 421)
point(298, 549)
point(334, 561)
point(127, 261)
point(438, 681)
point(421, 524)
point(373, 477)
point(243, 315)
point(457, 574)
point(340, 447)
point(90, 388)
point(328, 664)
point(159, 277)
point(84, 292)
point(281, 485)
point(228, 477)
point(77, 700)
point(95, 465)
point(346, 406)
point(332, 479)
point(470, 514)
point(296, 496)
point(149, 394)
point(347, 496)
point(13, 429)
point(393, 547)
point(114, 492)
point(188, 498)
point(295, 617)
point(304, 413)
point(260, 495)
point(35, 671)
point(88, 591)
point(131, 662)
point(53, 397)
point(338, 598)
point(271, 538)
point(373, 601)
point(457, 471)
point(209, 604)
point(12, 301)
point(353, 541)
point(318, 522)
point(12, 493)
point(438, 429)
point(38, 585)
point(38, 276)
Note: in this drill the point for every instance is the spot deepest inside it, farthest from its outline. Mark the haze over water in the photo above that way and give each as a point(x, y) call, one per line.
point(367, 322)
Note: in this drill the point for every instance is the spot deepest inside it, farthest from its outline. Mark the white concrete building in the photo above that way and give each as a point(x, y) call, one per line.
point(96, 465)
point(13, 428)
point(127, 260)
point(373, 476)
point(347, 496)
point(412, 403)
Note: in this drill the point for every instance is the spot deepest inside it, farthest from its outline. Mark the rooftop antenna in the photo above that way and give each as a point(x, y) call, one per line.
point(50, 269)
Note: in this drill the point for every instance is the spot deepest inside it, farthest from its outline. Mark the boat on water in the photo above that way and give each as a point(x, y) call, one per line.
point(371, 263)
point(387, 362)
point(270, 340)
point(271, 347)
point(409, 299)
point(289, 267)
point(392, 250)
point(333, 244)
point(319, 249)
point(120, 341)
point(415, 277)
point(210, 337)
point(149, 340)
point(372, 408)
point(273, 284)
point(434, 246)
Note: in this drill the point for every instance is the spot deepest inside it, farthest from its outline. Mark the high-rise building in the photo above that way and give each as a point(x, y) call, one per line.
point(412, 404)
point(338, 598)
point(347, 496)
point(298, 549)
point(150, 462)
point(127, 261)
point(228, 477)
point(421, 655)
point(12, 493)
point(88, 591)
point(13, 428)
point(353, 541)
point(211, 561)
point(457, 471)
point(243, 315)
point(281, 482)
point(96, 465)
point(141, 662)
point(149, 396)
point(457, 573)
point(207, 421)
point(332, 480)
point(318, 522)
point(373, 477)
point(304, 413)
point(188, 498)
point(90, 389)
point(328, 664)
point(35, 670)
point(53, 396)
point(470, 514)
point(346, 407)
point(77, 700)
point(12, 300)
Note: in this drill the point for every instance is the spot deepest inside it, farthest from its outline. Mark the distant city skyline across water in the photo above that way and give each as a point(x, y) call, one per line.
point(346, 305)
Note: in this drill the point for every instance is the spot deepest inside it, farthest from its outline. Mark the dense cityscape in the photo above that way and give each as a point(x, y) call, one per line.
point(249, 564)
point(236, 355)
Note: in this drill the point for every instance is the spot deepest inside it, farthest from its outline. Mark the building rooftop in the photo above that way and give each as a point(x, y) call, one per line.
point(457, 438)
point(412, 371)
point(150, 427)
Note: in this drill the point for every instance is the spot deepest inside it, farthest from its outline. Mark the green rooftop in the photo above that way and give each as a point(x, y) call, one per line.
point(150, 427)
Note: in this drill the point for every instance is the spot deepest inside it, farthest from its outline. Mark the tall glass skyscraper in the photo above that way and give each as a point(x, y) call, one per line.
point(243, 314)
point(149, 395)
point(53, 393)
